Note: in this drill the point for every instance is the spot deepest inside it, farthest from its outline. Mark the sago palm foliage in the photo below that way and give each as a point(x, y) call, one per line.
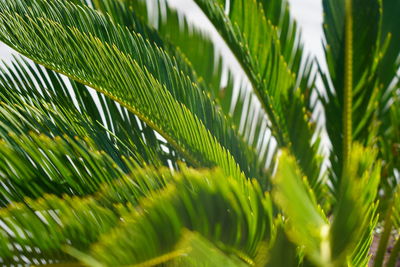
point(124, 140)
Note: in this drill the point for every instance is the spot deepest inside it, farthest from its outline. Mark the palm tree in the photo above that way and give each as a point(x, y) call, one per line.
point(164, 163)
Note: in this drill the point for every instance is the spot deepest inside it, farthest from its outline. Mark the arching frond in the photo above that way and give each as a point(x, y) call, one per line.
point(134, 80)
point(234, 97)
point(40, 100)
point(89, 226)
point(192, 47)
point(255, 42)
point(38, 230)
point(32, 165)
point(347, 236)
point(157, 165)
point(200, 201)
point(372, 72)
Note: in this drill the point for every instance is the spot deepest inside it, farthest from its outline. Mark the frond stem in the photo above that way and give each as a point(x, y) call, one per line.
point(348, 85)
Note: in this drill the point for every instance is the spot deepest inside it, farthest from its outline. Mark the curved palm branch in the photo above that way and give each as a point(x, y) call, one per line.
point(32, 87)
point(107, 177)
point(119, 46)
point(67, 221)
point(191, 45)
point(270, 67)
point(374, 57)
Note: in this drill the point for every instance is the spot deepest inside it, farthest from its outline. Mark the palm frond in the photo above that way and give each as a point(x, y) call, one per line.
point(201, 252)
point(35, 233)
point(371, 90)
point(157, 201)
point(389, 143)
point(388, 70)
point(347, 238)
point(32, 165)
point(255, 42)
point(308, 226)
point(158, 225)
point(42, 228)
point(154, 97)
point(390, 64)
point(233, 96)
point(390, 230)
point(194, 48)
point(352, 232)
point(40, 100)
point(282, 252)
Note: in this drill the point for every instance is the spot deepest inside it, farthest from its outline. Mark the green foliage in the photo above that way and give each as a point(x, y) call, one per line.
point(370, 86)
point(307, 225)
point(168, 163)
point(270, 67)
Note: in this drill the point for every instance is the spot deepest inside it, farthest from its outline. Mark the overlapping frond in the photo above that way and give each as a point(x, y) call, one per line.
point(37, 231)
point(270, 65)
point(372, 73)
point(40, 100)
point(129, 71)
point(233, 96)
point(159, 209)
point(193, 47)
point(346, 238)
point(364, 50)
point(40, 229)
point(234, 217)
point(83, 176)
point(32, 165)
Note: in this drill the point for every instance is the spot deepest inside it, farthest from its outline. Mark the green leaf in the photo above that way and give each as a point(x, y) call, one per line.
point(32, 165)
point(141, 207)
point(235, 98)
point(38, 230)
point(354, 215)
point(201, 252)
point(362, 45)
point(255, 42)
point(307, 226)
point(50, 226)
point(189, 47)
point(347, 238)
point(234, 217)
point(390, 64)
point(106, 50)
point(282, 252)
point(40, 100)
